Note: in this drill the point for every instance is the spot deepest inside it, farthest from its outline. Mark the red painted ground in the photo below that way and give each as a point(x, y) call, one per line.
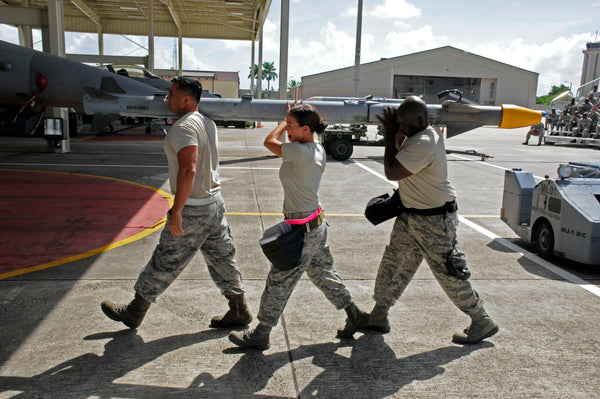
point(47, 217)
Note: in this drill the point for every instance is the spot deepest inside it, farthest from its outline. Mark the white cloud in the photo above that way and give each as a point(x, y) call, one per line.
point(406, 42)
point(395, 9)
point(557, 62)
point(9, 33)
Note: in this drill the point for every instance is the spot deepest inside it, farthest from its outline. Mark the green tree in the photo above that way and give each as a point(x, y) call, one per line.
point(254, 72)
point(554, 91)
point(293, 83)
point(269, 72)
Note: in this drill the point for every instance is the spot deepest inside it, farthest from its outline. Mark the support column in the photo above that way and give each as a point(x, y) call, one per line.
point(260, 62)
point(357, 54)
point(252, 68)
point(57, 47)
point(25, 36)
point(151, 36)
point(283, 48)
point(180, 54)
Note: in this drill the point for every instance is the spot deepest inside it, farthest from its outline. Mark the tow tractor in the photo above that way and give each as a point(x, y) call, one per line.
point(561, 216)
point(339, 140)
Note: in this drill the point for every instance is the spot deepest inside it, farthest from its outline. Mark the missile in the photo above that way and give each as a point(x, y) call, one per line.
point(28, 76)
point(458, 118)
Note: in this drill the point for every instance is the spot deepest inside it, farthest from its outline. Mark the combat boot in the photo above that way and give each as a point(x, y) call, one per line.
point(255, 339)
point(238, 314)
point(378, 319)
point(356, 320)
point(131, 314)
point(482, 327)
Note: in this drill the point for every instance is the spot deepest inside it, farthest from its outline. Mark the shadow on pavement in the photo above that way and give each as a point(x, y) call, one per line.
point(372, 370)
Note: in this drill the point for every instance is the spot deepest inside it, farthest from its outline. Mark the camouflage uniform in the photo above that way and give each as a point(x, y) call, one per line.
point(552, 120)
point(536, 130)
point(207, 230)
point(564, 122)
point(316, 259)
point(433, 238)
point(584, 127)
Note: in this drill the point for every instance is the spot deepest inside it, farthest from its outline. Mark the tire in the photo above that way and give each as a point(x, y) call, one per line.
point(544, 240)
point(340, 149)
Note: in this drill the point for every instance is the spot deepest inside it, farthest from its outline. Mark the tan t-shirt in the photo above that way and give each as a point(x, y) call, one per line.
point(195, 129)
point(300, 175)
point(424, 155)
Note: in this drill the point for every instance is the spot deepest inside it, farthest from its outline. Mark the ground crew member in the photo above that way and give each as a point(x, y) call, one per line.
point(195, 222)
point(551, 120)
point(535, 130)
point(303, 164)
point(415, 155)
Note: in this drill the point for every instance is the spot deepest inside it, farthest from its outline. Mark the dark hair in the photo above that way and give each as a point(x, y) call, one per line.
point(189, 85)
point(306, 114)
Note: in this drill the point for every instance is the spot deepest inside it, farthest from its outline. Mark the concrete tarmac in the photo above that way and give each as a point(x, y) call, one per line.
point(55, 342)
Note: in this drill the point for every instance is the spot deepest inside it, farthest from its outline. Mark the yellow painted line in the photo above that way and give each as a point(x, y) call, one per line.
point(105, 248)
point(281, 214)
point(333, 214)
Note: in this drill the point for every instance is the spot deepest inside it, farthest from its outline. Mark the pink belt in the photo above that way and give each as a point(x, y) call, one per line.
point(305, 220)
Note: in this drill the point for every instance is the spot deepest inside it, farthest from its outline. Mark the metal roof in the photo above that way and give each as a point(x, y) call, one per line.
point(206, 19)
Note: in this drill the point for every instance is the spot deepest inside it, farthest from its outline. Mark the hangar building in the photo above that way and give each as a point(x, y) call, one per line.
point(482, 80)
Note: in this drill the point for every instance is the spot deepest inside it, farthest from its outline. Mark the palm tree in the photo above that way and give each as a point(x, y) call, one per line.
point(268, 72)
point(254, 72)
point(293, 83)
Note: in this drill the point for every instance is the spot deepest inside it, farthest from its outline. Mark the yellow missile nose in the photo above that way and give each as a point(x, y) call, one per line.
point(515, 116)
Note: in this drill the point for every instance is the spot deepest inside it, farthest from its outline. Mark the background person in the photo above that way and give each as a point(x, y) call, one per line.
point(535, 130)
point(195, 222)
point(303, 163)
point(415, 155)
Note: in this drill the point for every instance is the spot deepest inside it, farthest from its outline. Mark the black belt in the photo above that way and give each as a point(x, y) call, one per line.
point(448, 207)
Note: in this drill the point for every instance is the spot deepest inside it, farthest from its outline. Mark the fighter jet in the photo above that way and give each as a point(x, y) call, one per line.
point(28, 76)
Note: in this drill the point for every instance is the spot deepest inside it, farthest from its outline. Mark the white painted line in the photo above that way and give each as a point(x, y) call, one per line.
point(532, 257)
point(371, 171)
point(489, 164)
point(515, 248)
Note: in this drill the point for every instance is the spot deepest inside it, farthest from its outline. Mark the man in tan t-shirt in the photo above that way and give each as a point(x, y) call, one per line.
point(415, 156)
point(195, 222)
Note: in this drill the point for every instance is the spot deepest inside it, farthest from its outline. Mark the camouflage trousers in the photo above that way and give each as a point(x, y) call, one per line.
point(316, 259)
point(433, 238)
point(206, 229)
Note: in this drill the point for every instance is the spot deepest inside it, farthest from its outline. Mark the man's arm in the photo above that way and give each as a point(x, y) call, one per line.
point(394, 170)
point(187, 159)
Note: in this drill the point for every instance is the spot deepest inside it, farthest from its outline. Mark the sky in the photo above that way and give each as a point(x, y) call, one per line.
point(545, 37)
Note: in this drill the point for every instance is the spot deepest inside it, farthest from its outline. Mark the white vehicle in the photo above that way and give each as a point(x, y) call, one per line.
point(561, 216)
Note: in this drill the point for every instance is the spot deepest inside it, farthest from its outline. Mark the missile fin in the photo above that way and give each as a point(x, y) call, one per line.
point(455, 130)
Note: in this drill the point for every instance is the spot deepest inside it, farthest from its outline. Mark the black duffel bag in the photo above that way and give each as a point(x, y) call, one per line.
point(282, 245)
point(383, 207)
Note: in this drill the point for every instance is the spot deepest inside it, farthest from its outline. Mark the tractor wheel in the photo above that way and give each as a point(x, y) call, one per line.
point(544, 240)
point(340, 149)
